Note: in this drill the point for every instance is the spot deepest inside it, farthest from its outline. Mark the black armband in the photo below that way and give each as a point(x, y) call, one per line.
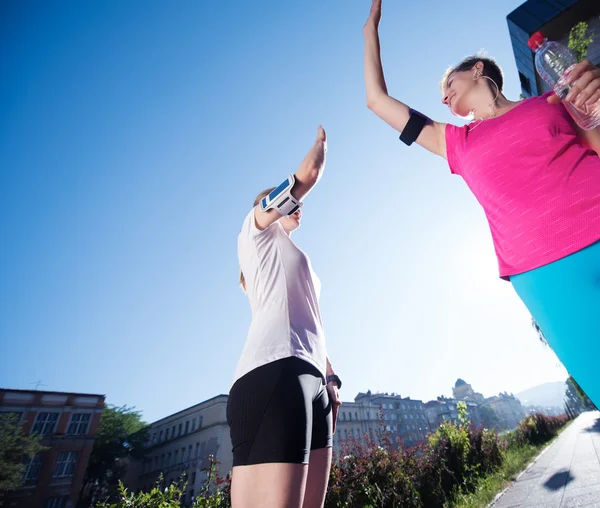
point(335, 379)
point(413, 127)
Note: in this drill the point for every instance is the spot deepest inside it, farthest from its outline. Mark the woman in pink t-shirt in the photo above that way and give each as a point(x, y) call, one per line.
point(537, 177)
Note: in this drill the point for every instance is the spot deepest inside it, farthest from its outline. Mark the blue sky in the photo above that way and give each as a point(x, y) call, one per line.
point(134, 137)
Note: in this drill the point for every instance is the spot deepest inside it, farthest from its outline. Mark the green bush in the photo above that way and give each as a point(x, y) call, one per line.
point(536, 429)
point(371, 475)
point(448, 464)
point(214, 493)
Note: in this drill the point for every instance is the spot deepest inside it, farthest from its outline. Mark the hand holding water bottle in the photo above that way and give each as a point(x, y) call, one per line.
point(577, 84)
point(585, 92)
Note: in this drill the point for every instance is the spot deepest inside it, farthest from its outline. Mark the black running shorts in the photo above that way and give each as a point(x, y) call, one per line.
point(279, 412)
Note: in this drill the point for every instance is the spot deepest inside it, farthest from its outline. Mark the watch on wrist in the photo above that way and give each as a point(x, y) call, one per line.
point(335, 379)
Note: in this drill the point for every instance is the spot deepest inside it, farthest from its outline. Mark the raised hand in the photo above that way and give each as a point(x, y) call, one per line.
point(374, 16)
point(315, 158)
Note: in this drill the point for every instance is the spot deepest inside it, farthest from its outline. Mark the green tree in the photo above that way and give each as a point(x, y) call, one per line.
point(539, 331)
point(463, 414)
point(122, 436)
point(579, 40)
point(15, 448)
point(585, 400)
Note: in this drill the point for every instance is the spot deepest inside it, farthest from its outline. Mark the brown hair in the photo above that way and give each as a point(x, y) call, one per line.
point(256, 201)
point(490, 69)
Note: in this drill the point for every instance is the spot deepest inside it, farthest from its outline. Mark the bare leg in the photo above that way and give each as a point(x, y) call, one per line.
point(275, 485)
point(318, 478)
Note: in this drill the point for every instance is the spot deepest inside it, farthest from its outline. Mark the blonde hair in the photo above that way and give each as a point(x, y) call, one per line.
point(264, 193)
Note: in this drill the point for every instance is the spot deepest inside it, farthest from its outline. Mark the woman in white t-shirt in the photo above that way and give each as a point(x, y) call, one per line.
point(283, 404)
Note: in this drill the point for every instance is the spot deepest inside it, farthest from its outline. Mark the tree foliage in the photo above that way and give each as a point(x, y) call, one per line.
point(15, 449)
point(122, 435)
point(580, 40)
point(214, 493)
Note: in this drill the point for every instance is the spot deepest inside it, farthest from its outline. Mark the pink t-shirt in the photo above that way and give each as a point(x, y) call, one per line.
point(539, 187)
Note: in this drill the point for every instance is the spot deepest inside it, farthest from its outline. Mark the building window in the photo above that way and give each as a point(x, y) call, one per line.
point(368, 415)
point(356, 416)
point(162, 460)
point(45, 423)
point(197, 452)
point(79, 424)
point(343, 416)
point(56, 502)
point(192, 494)
point(173, 431)
point(65, 465)
point(180, 427)
point(176, 457)
point(169, 459)
point(32, 468)
point(160, 436)
point(167, 435)
point(187, 426)
point(189, 452)
point(183, 454)
point(193, 479)
point(193, 424)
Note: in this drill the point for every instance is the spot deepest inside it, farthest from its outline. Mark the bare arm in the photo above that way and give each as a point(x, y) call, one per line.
point(585, 95)
point(390, 110)
point(329, 369)
point(334, 395)
point(307, 176)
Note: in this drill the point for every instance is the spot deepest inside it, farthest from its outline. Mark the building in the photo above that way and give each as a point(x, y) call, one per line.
point(446, 410)
point(554, 18)
point(357, 422)
point(440, 411)
point(181, 444)
point(473, 414)
point(68, 423)
point(463, 391)
point(508, 409)
point(403, 417)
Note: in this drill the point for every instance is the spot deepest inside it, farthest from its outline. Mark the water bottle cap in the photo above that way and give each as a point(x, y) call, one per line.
point(536, 40)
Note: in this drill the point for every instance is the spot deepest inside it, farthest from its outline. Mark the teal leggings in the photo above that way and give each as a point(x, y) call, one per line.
point(564, 298)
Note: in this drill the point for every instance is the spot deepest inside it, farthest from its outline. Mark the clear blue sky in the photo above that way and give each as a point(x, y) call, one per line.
point(134, 137)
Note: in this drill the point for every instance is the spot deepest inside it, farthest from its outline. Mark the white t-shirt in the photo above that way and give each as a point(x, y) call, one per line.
point(284, 298)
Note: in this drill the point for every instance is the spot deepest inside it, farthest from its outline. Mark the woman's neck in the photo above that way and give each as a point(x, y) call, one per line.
point(494, 109)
